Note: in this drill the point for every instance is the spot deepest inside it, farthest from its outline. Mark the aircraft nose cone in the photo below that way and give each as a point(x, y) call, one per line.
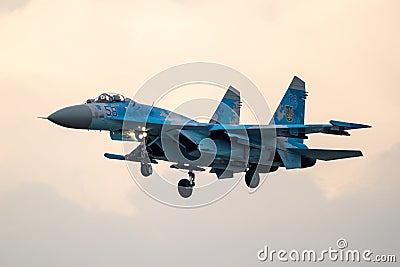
point(77, 117)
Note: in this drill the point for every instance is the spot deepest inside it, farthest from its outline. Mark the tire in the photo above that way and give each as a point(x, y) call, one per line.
point(146, 169)
point(185, 189)
point(252, 178)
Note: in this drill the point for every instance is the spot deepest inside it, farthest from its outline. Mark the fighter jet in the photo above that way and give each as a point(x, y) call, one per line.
point(223, 145)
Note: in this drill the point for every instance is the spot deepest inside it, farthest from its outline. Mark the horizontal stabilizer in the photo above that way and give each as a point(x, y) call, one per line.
point(326, 154)
point(348, 125)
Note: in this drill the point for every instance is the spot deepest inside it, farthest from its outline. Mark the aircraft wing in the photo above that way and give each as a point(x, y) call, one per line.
point(335, 127)
point(250, 134)
point(294, 130)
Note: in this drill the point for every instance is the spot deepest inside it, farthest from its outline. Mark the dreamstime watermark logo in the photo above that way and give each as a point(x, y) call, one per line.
point(189, 146)
point(340, 253)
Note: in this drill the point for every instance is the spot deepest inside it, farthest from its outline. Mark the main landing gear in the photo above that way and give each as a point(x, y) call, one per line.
point(185, 186)
point(146, 169)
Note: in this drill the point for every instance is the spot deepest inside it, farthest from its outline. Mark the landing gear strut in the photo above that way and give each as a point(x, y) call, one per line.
point(185, 186)
point(145, 166)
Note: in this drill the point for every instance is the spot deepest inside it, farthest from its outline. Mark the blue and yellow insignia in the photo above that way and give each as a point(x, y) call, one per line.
point(289, 112)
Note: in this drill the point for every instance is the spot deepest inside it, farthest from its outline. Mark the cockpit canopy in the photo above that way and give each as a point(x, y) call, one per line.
point(107, 98)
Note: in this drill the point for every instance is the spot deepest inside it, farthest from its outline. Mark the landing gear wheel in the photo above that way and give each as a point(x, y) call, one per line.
point(185, 188)
point(146, 169)
point(252, 178)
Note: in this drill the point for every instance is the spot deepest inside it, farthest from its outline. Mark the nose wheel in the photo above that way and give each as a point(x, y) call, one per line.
point(185, 186)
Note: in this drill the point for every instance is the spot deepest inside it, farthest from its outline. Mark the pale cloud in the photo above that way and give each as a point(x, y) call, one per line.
point(12, 5)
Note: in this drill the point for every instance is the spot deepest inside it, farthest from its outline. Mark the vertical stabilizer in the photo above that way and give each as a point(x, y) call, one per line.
point(291, 109)
point(228, 110)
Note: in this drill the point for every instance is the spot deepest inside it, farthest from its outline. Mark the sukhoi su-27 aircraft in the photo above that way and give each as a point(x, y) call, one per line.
point(230, 148)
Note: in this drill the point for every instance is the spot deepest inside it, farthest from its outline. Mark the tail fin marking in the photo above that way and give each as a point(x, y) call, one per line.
point(292, 106)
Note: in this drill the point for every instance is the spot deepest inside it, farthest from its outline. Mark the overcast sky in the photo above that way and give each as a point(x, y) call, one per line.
point(63, 204)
